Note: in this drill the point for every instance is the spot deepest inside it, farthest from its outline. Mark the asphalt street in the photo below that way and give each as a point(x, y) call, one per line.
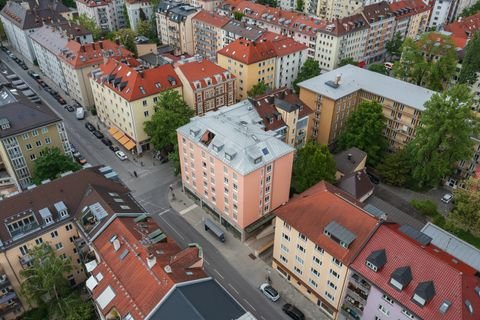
point(151, 190)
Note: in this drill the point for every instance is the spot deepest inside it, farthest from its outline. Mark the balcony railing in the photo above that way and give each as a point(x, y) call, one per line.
point(25, 229)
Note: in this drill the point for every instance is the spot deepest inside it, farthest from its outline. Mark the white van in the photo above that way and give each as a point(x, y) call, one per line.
point(80, 113)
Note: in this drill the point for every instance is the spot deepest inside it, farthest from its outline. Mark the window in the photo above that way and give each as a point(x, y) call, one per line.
point(38, 241)
point(286, 226)
point(48, 140)
point(329, 296)
point(286, 236)
point(319, 249)
point(408, 314)
point(315, 272)
point(302, 236)
point(384, 310)
point(59, 246)
point(144, 102)
point(337, 262)
point(269, 178)
point(300, 248)
point(297, 270)
point(28, 146)
point(44, 130)
point(25, 136)
point(334, 273)
point(38, 143)
point(332, 285)
point(388, 299)
point(317, 261)
point(269, 168)
point(35, 132)
point(69, 227)
point(33, 157)
point(54, 234)
point(283, 259)
point(145, 113)
point(24, 249)
point(284, 248)
point(299, 260)
point(312, 283)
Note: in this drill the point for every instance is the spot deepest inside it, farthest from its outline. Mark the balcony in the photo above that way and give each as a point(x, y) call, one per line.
point(4, 281)
point(25, 229)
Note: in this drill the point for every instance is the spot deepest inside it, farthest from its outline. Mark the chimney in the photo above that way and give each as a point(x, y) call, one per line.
point(116, 244)
point(359, 174)
point(151, 261)
point(349, 156)
point(337, 79)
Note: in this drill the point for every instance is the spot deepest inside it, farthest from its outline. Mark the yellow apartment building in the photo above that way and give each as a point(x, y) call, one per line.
point(334, 95)
point(317, 235)
point(125, 96)
point(207, 33)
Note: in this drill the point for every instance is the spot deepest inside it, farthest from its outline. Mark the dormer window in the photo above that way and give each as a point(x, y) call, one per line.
point(257, 160)
point(376, 260)
point(401, 277)
point(424, 293)
point(339, 234)
point(61, 209)
point(46, 215)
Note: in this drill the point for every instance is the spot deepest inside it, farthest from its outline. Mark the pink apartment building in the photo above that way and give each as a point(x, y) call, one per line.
point(240, 172)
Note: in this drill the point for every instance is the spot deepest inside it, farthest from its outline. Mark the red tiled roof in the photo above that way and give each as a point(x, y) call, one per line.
point(377, 12)
point(248, 52)
point(283, 45)
point(138, 84)
point(199, 70)
point(314, 209)
point(453, 280)
point(211, 18)
point(343, 26)
point(464, 28)
point(407, 8)
point(137, 288)
point(81, 55)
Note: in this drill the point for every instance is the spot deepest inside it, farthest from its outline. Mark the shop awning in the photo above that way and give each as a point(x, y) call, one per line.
point(118, 135)
point(112, 131)
point(123, 140)
point(129, 145)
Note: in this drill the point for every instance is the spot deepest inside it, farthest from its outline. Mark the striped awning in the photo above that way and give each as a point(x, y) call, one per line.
point(129, 145)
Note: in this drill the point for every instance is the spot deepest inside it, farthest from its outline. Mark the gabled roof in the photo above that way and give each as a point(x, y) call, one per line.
point(346, 25)
point(197, 73)
point(248, 52)
point(465, 27)
point(81, 55)
point(377, 12)
point(243, 30)
point(283, 45)
point(407, 8)
point(428, 271)
point(132, 83)
point(316, 208)
point(211, 18)
point(33, 14)
point(357, 184)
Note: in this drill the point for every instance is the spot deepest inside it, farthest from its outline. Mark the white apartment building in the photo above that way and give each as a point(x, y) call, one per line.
point(382, 23)
point(103, 12)
point(440, 13)
point(138, 10)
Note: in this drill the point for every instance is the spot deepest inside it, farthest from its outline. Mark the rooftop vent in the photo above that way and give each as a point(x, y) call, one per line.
point(445, 306)
point(194, 131)
point(376, 260)
point(151, 261)
point(339, 234)
point(424, 293)
point(332, 84)
point(401, 277)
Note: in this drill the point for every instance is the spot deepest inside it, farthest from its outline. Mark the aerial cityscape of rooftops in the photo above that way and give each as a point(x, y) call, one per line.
point(240, 159)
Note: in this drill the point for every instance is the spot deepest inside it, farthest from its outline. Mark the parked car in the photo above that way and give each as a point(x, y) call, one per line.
point(80, 159)
point(72, 148)
point(107, 142)
point(269, 292)
point(69, 108)
point(89, 126)
point(98, 134)
point(61, 100)
point(293, 312)
point(33, 75)
point(24, 66)
point(113, 148)
point(447, 198)
point(121, 155)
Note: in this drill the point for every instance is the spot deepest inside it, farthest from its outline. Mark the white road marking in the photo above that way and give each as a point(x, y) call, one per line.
point(263, 317)
point(193, 206)
point(205, 260)
point(219, 274)
point(174, 230)
point(233, 288)
point(249, 305)
point(164, 211)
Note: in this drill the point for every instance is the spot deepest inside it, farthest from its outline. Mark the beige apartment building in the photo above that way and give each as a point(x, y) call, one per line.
point(334, 95)
point(46, 214)
point(206, 86)
point(174, 26)
point(207, 33)
point(125, 96)
point(317, 235)
point(25, 131)
point(79, 60)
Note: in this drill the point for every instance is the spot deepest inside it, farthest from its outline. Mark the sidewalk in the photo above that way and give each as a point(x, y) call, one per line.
point(240, 256)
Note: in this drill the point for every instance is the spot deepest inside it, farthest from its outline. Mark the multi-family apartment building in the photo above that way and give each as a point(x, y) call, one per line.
point(108, 14)
point(47, 43)
point(26, 130)
point(400, 274)
point(46, 214)
point(174, 26)
point(334, 95)
point(286, 115)
point(125, 96)
point(446, 11)
point(341, 39)
point(139, 10)
point(317, 236)
point(411, 17)
point(208, 5)
point(235, 29)
point(240, 172)
point(207, 32)
point(381, 23)
point(20, 19)
point(206, 86)
point(79, 60)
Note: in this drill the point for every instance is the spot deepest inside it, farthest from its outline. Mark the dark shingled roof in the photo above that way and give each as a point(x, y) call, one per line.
point(346, 165)
point(378, 258)
point(357, 184)
point(38, 14)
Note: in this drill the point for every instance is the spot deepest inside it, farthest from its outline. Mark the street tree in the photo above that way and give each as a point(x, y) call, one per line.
point(46, 287)
point(471, 61)
point(466, 212)
point(395, 169)
point(258, 89)
point(471, 10)
point(127, 39)
point(378, 67)
point(394, 45)
point(270, 3)
point(300, 4)
point(70, 3)
point(146, 29)
point(444, 136)
point(346, 61)
point(90, 25)
point(314, 163)
point(171, 112)
point(425, 63)
point(364, 130)
point(237, 15)
point(52, 163)
point(310, 69)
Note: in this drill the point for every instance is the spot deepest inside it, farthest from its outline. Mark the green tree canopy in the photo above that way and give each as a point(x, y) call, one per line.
point(258, 89)
point(300, 4)
point(270, 3)
point(471, 61)
point(396, 168)
point(472, 10)
point(394, 45)
point(45, 285)
point(51, 164)
point(70, 3)
point(346, 61)
point(444, 137)
point(310, 69)
point(90, 25)
point(466, 213)
point(127, 38)
point(378, 67)
point(364, 130)
point(237, 15)
point(313, 164)
point(425, 63)
point(146, 29)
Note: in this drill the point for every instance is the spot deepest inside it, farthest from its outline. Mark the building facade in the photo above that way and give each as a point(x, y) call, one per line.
point(79, 60)
point(125, 96)
point(334, 95)
point(317, 236)
point(207, 32)
point(206, 86)
point(138, 11)
point(411, 17)
point(228, 161)
point(105, 13)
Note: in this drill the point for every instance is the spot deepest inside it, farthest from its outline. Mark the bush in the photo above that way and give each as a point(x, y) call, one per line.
point(425, 207)
point(93, 112)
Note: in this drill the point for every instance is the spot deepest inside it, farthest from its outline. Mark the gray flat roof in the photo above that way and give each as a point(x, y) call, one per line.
point(355, 78)
point(452, 245)
point(204, 300)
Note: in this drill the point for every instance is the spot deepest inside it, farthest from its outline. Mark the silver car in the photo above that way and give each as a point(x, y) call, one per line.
point(269, 292)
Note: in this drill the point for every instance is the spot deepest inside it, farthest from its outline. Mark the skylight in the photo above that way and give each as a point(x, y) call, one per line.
point(142, 90)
